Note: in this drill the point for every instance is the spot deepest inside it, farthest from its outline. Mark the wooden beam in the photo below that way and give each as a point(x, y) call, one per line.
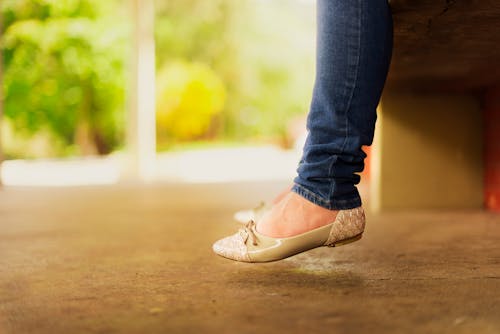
point(449, 46)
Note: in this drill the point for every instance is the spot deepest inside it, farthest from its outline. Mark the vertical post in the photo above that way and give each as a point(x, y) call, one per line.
point(141, 134)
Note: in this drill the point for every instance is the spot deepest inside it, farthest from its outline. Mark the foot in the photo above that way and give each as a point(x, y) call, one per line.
point(281, 195)
point(294, 215)
point(249, 245)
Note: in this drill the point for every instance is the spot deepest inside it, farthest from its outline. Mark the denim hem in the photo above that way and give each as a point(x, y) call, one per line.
point(341, 204)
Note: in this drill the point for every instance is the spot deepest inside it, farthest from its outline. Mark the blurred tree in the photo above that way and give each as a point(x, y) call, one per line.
point(189, 96)
point(263, 51)
point(64, 71)
point(194, 37)
point(1, 97)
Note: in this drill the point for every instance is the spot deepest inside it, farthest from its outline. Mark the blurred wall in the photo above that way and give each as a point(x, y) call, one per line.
point(428, 152)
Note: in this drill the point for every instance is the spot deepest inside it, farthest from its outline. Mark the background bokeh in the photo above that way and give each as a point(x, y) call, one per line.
point(229, 72)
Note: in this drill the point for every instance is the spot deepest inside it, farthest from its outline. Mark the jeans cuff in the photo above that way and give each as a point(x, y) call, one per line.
point(340, 204)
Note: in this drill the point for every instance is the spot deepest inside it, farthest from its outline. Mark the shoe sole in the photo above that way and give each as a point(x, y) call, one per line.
point(346, 241)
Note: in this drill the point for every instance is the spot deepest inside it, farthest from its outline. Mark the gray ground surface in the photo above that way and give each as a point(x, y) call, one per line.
point(138, 260)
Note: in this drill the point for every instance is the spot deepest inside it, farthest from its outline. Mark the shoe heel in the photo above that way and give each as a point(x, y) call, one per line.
point(346, 241)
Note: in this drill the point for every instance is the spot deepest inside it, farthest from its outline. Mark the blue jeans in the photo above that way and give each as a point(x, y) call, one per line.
point(354, 47)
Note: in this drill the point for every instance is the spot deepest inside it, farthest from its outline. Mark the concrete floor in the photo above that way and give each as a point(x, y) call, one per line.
point(132, 259)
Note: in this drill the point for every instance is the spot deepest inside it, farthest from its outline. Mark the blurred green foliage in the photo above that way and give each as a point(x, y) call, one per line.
point(263, 51)
point(64, 73)
point(228, 70)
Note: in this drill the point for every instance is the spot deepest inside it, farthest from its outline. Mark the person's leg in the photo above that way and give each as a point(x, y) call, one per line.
point(354, 50)
point(354, 46)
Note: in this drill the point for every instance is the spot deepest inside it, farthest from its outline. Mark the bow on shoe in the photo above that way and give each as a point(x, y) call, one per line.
point(247, 232)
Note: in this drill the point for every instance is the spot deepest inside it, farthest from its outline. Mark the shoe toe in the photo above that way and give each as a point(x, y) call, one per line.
point(232, 247)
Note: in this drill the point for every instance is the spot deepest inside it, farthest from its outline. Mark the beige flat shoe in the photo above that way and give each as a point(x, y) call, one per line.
point(248, 245)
